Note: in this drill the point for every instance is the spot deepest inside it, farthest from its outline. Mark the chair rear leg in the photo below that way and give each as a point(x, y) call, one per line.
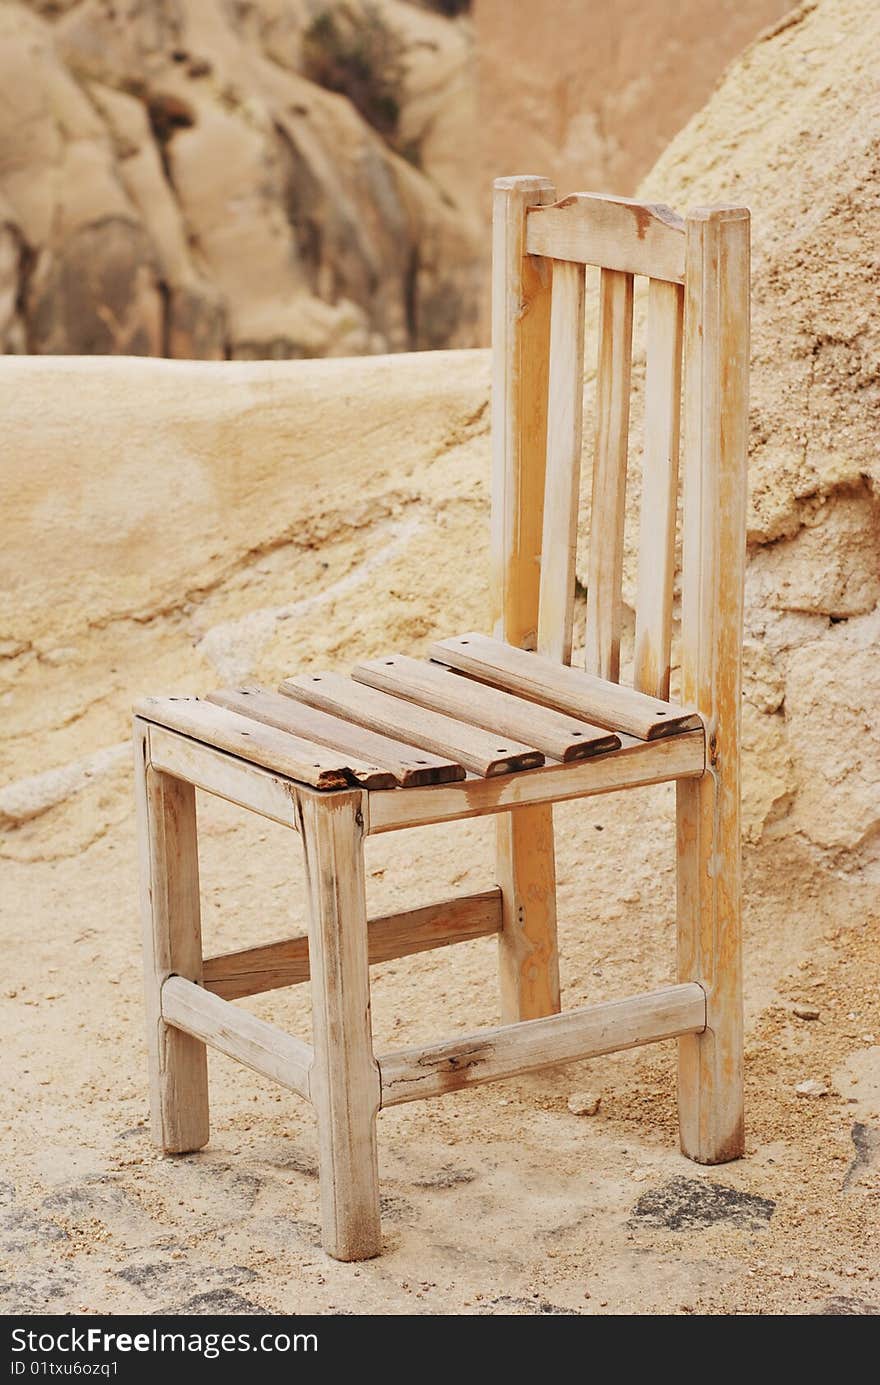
point(172, 940)
point(345, 1083)
point(710, 1069)
point(528, 958)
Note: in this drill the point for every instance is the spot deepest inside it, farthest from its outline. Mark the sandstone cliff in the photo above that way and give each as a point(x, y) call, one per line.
point(794, 132)
point(590, 94)
point(271, 178)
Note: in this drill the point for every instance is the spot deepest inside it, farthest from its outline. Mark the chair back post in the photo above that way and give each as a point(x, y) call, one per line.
point(521, 287)
point(716, 365)
point(716, 369)
point(525, 868)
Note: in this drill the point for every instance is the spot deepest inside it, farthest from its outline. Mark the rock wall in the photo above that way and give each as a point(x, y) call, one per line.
point(590, 94)
point(794, 132)
point(239, 178)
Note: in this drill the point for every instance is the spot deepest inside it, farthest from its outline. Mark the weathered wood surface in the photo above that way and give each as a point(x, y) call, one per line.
point(215, 771)
point(569, 689)
point(250, 740)
point(709, 841)
point(172, 942)
point(479, 751)
point(510, 1050)
point(636, 763)
point(441, 689)
point(286, 963)
point(564, 428)
point(659, 489)
point(237, 1033)
point(608, 511)
point(344, 1079)
point(521, 311)
point(612, 232)
point(380, 762)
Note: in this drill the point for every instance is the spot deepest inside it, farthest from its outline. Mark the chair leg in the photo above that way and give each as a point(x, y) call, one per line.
point(710, 1069)
point(172, 939)
point(345, 1084)
point(528, 959)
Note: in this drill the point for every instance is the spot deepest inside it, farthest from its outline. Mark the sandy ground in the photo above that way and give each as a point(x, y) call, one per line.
point(497, 1200)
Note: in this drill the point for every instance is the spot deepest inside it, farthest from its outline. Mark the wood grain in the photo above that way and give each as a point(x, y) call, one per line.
point(250, 740)
point(270, 795)
point(611, 232)
point(635, 764)
point(172, 942)
point(441, 689)
point(709, 845)
point(569, 689)
point(480, 751)
point(508, 1051)
point(240, 1035)
point(659, 489)
point(608, 513)
point(286, 963)
point(344, 1078)
point(564, 425)
point(521, 309)
point(380, 762)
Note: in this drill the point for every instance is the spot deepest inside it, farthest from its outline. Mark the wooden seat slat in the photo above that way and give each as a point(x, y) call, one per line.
point(568, 689)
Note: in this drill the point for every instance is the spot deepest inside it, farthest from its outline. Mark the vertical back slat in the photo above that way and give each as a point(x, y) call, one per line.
point(562, 487)
point(659, 489)
point(605, 569)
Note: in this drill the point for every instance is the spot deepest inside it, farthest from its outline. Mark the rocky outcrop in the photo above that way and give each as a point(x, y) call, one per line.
point(590, 94)
point(794, 132)
point(258, 179)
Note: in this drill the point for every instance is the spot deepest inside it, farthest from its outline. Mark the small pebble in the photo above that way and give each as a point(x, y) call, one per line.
point(811, 1088)
point(805, 1012)
point(867, 1038)
point(584, 1103)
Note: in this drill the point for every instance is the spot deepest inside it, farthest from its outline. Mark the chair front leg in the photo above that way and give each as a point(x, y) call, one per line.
point(528, 959)
point(172, 938)
point(344, 1079)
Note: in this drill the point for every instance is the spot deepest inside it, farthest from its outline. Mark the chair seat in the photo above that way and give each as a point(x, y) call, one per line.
point(477, 708)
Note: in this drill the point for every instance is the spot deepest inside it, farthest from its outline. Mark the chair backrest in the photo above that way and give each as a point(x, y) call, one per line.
point(698, 345)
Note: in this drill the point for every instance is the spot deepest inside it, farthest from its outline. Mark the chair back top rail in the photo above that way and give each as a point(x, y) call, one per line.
point(611, 232)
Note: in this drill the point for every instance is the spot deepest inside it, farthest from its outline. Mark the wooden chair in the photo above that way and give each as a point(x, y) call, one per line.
point(484, 726)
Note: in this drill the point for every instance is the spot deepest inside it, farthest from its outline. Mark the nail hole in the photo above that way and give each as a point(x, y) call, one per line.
point(389, 662)
point(420, 762)
point(575, 733)
point(502, 749)
point(315, 678)
point(465, 641)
